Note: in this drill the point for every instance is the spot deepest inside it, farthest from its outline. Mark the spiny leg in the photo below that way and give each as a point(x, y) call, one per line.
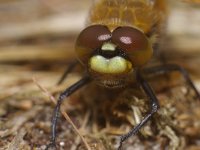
point(154, 107)
point(167, 68)
point(56, 112)
point(69, 68)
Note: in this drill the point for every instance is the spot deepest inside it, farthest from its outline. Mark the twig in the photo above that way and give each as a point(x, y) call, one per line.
point(45, 91)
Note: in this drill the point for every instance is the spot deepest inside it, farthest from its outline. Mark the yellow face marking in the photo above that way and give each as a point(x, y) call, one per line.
point(115, 65)
point(108, 46)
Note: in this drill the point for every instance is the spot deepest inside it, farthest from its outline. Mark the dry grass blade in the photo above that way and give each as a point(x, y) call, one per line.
point(45, 91)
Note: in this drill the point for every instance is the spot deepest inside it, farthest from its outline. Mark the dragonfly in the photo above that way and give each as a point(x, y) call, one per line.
point(114, 48)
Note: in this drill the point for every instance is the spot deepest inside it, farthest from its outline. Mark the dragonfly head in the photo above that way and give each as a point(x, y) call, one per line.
point(111, 57)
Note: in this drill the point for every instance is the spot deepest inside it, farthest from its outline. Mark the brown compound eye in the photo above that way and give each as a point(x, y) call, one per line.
point(90, 39)
point(134, 43)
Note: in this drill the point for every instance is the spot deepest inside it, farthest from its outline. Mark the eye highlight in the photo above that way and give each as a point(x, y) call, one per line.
point(126, 40)
point(90, 39)
point(129, 39)
point(134, 43)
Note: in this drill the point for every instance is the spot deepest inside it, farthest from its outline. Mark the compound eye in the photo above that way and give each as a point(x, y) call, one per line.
point(90, 39)
point(134, 43)
point(129, 39)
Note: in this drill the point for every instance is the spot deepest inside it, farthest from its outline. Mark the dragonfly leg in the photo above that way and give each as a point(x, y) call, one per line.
point(167, 68)
point(56, 112)
point(154, 107)
point(69, 68)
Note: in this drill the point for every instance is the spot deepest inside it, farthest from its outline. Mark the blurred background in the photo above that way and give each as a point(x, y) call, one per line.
point(39, 30)
point(37, 40)
point(39, 35)
point(46, 30)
